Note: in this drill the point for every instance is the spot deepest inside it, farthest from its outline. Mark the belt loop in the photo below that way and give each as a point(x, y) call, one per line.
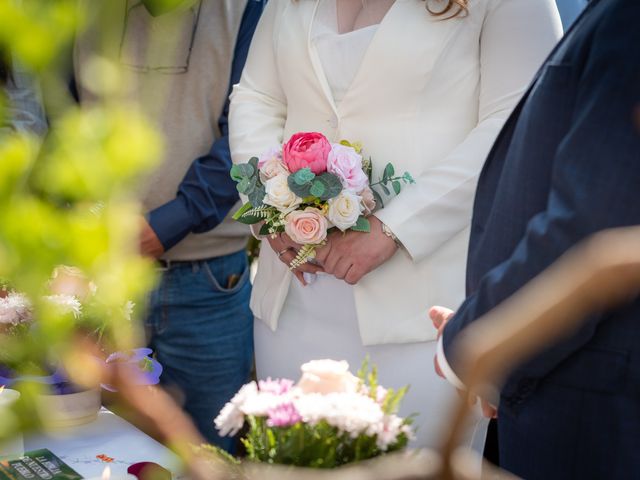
point(195, 267)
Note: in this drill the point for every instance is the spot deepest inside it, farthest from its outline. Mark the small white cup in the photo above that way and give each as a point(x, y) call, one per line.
point(15, 446)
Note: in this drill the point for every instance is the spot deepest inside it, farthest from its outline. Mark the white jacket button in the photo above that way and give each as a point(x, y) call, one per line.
point(333, 121)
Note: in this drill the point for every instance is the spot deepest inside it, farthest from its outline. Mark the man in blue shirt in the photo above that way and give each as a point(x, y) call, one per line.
point(569, 10)
point(182, 61)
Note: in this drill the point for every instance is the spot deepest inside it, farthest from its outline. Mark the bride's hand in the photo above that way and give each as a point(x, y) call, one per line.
point(351, 255)
point(286, 250)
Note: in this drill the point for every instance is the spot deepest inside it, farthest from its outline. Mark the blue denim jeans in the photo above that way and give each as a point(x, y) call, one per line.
point(202, 333)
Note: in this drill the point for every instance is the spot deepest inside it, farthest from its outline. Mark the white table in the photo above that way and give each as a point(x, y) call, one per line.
point(109, 435)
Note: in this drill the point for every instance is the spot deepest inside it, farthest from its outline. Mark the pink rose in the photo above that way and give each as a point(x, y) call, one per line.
point(368, 201)
point(345, 163)
point(306, 227)
point(306, 150)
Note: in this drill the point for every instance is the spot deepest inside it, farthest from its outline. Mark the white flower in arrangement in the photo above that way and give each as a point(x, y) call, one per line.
point(65, 304)
point(388, 430)
point(345, 209)
point(350, 413)
point(231, 418)
point(328, 405)
point(279, 194)
point(15, 308)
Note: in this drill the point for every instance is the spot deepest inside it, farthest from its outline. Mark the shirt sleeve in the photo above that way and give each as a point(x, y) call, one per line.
point(593, 186)
point(24, 112)
point(516, 37)
point(207, 193)
point(449, 375)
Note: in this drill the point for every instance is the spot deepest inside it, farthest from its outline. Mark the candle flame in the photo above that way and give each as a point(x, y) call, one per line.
point(106, 474)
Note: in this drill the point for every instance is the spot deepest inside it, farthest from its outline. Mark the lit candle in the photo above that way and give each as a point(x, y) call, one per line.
point(107, 475)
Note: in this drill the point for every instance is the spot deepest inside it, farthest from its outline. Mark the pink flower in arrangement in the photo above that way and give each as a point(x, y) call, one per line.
point(278, 386)
point(306, 227)
point(306, 150)
point(346, 164)
point(284, 415)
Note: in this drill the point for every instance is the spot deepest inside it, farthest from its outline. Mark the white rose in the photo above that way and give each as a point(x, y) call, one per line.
point(279, 194)
point(345, 209)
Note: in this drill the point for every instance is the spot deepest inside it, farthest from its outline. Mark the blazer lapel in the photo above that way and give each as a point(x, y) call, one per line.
point(315, 59)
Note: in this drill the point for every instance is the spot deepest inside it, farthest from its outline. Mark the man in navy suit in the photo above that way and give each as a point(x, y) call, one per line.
point(566, 165)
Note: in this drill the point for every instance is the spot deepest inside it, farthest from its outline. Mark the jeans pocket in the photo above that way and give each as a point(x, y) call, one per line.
point(242, 275)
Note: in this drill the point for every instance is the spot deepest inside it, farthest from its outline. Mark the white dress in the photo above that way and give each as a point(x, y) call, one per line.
point(320, 320)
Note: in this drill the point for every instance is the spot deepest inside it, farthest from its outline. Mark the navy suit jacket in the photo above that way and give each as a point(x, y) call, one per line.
point(566, 165)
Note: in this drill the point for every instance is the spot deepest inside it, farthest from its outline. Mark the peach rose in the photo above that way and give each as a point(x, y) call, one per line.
point(306, 150)
point(306, 227)
point(327, 376)
point(270, 165)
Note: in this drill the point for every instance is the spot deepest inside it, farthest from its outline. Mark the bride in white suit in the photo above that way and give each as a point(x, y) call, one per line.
point(424, 91)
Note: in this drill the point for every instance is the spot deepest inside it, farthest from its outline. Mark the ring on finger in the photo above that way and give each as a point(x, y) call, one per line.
point(282, 252)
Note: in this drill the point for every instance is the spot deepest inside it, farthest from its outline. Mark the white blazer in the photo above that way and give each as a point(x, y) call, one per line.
point(430, 96)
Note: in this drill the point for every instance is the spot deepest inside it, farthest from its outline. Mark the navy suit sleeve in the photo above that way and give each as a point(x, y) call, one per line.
point(207, 193)
point(594, 185)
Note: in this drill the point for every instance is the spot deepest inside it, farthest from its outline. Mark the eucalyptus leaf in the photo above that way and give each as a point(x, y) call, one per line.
point(318, 188)
point(362, 225)
point(397, 186)
point(389, 172)
point(408, 178)
point(302, 191)
point(385, 189)
point(332, 184)
point(303, 176)
point(246, 186)
point(257, 196)
point(242, 171)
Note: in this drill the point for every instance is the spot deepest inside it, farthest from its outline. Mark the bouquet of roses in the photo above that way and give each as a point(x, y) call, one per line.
point(310, 186)
point(328, 419)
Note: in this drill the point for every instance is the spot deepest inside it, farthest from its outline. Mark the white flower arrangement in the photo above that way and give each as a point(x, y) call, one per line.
point(329, 418)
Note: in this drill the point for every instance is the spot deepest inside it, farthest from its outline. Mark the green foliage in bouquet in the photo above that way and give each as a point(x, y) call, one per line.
point(388, 182)
point(247, 176)
point(306, 184)
point(304, 445)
